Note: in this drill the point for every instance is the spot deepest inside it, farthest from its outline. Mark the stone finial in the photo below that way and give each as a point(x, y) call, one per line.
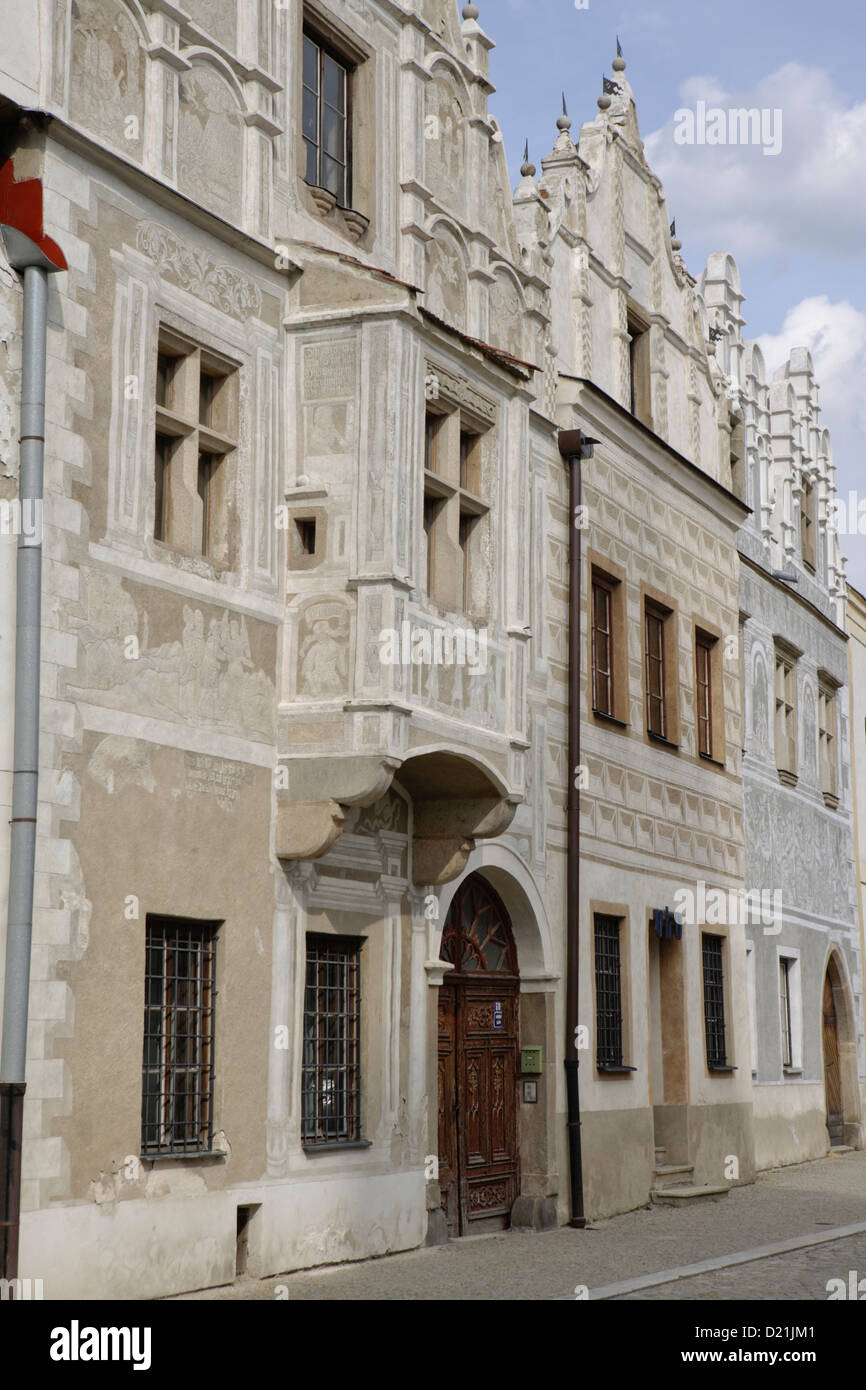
point(564, 121)
point(676, 244)
point(470, 11)
point(618, 63)
point(527, 169)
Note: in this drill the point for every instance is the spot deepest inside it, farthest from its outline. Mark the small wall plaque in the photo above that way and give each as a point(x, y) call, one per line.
point(530, 1092)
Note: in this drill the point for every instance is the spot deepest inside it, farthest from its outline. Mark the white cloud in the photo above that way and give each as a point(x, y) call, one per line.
point(809, 197)
point(835, 334)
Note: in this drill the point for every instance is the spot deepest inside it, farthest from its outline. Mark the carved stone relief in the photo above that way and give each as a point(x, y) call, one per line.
point(205, 675)
point(323, 663)
point(446, 279)
point(196, 270)
point(107, 74)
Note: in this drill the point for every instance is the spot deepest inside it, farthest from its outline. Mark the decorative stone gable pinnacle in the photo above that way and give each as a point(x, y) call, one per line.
point(477, 44)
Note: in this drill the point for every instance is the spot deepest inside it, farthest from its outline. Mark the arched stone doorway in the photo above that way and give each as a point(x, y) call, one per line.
point(478, 1030)
point(839, 1053)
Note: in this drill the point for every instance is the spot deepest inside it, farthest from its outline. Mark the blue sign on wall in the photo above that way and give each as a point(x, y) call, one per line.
point(497, 1014)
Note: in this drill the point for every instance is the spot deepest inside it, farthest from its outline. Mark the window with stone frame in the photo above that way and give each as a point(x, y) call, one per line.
point(661, 681)
point(715, 1006)
point(827, 743)
point(455, 508)
point(609, 1027)
point(195, 449)
point(640, 380)
point(325, 116)
point(786, 716)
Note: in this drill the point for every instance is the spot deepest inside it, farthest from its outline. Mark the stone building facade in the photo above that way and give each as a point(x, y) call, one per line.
point(298, 975)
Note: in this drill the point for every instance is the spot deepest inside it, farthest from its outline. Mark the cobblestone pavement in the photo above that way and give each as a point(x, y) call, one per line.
point(797, 1201)
point(802, 1274)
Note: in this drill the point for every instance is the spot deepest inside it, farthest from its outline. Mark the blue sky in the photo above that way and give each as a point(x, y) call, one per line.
point(795, 222)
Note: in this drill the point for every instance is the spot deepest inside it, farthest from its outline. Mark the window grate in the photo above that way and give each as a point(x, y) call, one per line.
point(178, 1058)
point(714, 1001)
point(331, 1075)
point(608, 991)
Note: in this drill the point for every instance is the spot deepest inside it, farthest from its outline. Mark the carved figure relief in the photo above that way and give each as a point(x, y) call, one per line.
point(119, 762)
point(760, 702)
point(206, 673)
point(322, 650)
point(107, 74)
point(446, 280)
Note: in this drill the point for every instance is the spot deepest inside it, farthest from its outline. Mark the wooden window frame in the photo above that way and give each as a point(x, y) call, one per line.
point(709, 640)
point(828, 740)
point(452, 512)
point(612, 577)
point(655, 605)
point(191, 504)
point(327, 49)
point(786, 702)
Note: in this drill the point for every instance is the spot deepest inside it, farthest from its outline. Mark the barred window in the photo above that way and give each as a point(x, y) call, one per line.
point(608, 991)
point(714, 1000)
point(178, 1059)
point(331, 1076)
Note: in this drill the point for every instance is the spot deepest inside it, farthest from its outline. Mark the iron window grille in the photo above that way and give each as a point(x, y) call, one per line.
point(608, 992)
point(178, 1057)
point(331, 1074)
point(325, 119)
point(714, 1001)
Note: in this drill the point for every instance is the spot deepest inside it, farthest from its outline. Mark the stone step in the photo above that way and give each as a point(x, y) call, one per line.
point(688, 1192)
point(672, 1170)
point(836, 1149)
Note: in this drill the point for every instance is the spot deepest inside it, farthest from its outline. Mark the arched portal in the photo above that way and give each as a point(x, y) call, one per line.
point(839, 1047)
point(478, 1062)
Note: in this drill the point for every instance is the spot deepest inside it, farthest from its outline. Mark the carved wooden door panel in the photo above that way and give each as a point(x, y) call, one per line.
point(448, 1108)
point(478, 1063)
point(832, 1075)
point(487, 1103)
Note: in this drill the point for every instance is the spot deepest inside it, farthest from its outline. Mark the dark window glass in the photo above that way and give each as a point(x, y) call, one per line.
point(325, 118)
point(162, 469)
point(655, 673)
point(602, 647)
point(703, 658)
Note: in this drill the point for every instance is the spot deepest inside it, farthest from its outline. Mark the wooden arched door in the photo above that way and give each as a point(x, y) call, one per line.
point(832, 1072)
point(478, 1062)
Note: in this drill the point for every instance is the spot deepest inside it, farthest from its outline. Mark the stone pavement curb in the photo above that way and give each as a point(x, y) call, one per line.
point(740, 1257)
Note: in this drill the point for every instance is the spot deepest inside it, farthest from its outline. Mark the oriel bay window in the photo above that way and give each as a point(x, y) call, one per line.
point(195, 448)
point(178, 1057)
point(331, 1070)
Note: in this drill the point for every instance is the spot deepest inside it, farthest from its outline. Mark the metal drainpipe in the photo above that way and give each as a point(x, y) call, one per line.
point(26, 257)
point(574, 447)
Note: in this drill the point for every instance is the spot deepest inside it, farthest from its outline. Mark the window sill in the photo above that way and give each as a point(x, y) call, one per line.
point(789, 778)
point(336, 1146)
point(614, 1069)
point(831, 800)
point(609, 718)
point(792, 1071)
point(660, 738)
point(708, 758)
point(189, 1156)
point(721, 1069)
